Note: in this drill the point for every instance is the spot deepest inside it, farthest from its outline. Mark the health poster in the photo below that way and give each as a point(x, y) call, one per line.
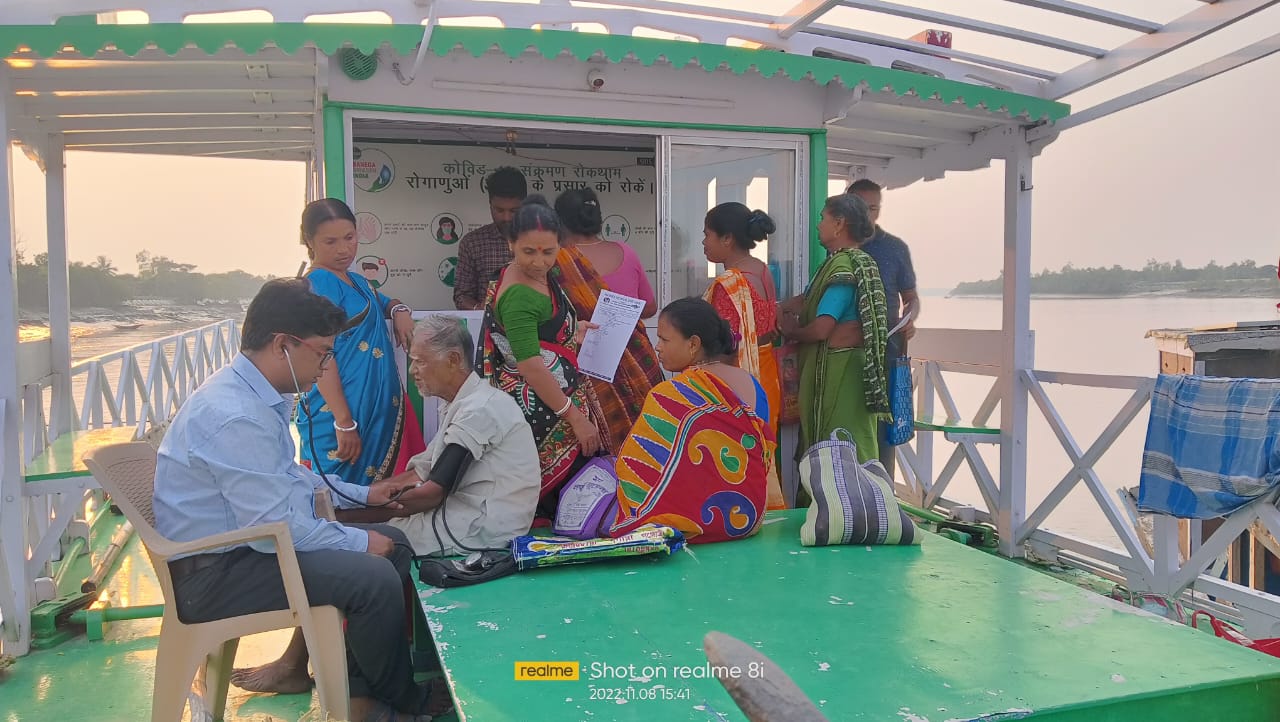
point(414, 202)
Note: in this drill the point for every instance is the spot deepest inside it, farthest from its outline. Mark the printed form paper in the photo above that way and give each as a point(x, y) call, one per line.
point(602, 348)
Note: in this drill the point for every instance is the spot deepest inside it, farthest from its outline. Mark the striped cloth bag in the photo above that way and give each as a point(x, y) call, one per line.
point(851, 504)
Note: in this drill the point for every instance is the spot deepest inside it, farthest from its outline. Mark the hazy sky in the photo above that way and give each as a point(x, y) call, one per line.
point(1189, 176)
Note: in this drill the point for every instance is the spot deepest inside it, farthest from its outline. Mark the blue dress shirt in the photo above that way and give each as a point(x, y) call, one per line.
point(228, 462)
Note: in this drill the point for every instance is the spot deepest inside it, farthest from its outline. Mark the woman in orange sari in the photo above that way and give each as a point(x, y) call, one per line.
point(584, 262)
point(744, 295)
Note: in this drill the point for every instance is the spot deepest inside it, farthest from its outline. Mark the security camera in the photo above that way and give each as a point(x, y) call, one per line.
point(595, 80)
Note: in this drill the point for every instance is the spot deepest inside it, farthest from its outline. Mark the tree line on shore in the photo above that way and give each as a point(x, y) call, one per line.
point(1154, 276)
point(100, 284)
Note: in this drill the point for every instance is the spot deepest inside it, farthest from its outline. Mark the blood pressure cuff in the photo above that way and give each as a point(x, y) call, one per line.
point(449, 468)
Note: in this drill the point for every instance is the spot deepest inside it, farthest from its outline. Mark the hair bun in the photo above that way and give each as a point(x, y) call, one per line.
point(759, 225)
point(728, 339)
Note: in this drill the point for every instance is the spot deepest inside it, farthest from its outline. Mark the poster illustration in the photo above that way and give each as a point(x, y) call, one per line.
point(415, 202)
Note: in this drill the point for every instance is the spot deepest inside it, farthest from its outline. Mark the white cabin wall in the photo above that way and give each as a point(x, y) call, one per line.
point(525, 84)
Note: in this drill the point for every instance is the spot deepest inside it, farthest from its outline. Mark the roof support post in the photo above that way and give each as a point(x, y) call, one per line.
point(61, 415)
point(802, 15)
point(1018, 354)
point(818, 182)
point(318, 120)
point(335, 152)
point(15, 592)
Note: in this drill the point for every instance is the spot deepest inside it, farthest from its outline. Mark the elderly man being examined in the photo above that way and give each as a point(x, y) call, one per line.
point(476, 485)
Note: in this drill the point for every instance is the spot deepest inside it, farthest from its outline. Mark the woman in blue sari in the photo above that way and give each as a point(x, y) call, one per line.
point(360, 423)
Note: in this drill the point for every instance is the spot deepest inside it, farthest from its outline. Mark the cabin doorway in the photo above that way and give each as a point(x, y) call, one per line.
point(416, 183)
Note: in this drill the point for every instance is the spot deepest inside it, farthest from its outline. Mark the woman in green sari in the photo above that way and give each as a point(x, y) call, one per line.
point(840, 323)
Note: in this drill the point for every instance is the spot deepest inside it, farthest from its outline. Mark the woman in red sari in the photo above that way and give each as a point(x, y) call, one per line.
point(744, 295)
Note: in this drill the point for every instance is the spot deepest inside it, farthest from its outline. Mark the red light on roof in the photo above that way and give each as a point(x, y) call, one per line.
point(939, 38)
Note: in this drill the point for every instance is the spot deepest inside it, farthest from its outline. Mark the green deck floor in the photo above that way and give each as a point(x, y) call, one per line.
point(939, 632)
point(936, 633)
point(111, 680)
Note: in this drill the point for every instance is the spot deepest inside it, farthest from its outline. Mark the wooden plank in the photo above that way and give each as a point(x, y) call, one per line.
point(765, 693)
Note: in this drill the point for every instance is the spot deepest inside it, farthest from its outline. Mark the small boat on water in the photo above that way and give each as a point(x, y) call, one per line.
point(126, 326)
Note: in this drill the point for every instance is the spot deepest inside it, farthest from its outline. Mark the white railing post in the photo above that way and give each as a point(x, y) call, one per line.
point(180, 360)
point(15, 593)
point(128, 390)
point(1018, 354)
point(924, 442)
point(60, 410)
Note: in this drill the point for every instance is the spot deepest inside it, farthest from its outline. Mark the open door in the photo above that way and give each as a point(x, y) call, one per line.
point(766, 173)
point(701, 172)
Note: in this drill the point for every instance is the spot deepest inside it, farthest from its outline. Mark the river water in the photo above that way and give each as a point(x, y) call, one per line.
point(1081, 335)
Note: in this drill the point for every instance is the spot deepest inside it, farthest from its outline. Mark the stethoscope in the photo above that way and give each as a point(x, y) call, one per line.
point(311, 442)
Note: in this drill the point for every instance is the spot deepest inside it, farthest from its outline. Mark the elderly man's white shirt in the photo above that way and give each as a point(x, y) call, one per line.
point(495, 500)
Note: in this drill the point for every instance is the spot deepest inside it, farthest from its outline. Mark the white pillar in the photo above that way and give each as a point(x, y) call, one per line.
point(15, 594)
point(1018, 352)
point(61, 413)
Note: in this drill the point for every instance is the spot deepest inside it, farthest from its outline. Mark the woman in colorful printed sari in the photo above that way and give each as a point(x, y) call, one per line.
point(529, 349)
point(588, 265)
point(700, 456)
point(840, 324)
point(744, 295)
point(361, 424)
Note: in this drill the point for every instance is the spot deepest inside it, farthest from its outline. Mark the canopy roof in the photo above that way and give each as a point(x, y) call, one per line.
point(177, 85)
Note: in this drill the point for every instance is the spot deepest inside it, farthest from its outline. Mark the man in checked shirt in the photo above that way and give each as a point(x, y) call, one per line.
point(482, 252)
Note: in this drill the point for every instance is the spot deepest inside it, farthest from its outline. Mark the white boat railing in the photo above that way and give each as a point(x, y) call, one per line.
point(142, 386)
point(1166, 560)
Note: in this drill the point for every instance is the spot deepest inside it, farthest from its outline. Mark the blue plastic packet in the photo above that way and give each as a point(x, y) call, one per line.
point(533, 552)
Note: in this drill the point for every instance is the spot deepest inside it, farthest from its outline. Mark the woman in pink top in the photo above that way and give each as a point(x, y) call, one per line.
point(616, 263)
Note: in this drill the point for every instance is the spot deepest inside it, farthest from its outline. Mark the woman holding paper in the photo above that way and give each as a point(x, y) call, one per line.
point(589, 264)
point(529, 344)
point(840, 324)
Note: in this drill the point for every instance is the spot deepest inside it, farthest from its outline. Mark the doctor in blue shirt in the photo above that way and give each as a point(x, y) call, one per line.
point(228, 462)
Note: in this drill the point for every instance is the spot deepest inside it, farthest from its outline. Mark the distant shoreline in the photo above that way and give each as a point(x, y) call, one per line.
point(1274, 294)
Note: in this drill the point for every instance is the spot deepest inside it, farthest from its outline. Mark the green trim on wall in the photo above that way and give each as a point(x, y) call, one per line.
point(48, 40)
point(818, 180)
point(335, 152)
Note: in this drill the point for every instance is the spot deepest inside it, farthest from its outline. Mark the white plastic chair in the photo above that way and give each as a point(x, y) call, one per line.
point(127, 473)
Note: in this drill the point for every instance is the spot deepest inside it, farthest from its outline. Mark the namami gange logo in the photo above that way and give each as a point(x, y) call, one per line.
point(371, 169)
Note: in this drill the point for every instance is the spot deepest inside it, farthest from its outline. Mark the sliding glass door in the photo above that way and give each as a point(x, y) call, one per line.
point(702, 172)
